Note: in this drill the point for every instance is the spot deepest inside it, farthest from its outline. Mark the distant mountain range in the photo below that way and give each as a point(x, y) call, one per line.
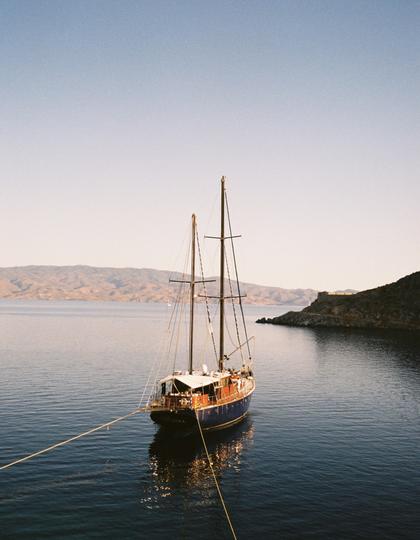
point(396, 305)
point(123, 285)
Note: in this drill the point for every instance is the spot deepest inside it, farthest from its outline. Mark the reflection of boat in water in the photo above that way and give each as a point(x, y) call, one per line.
point(220, 397)
point(185, 464)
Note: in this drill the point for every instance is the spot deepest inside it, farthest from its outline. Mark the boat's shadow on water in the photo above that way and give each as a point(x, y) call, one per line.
point(181, 458)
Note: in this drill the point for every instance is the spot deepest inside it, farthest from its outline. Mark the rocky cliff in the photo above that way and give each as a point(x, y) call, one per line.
point(396, 305)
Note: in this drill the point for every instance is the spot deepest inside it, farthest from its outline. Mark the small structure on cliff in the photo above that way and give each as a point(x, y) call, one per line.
point(324, 295)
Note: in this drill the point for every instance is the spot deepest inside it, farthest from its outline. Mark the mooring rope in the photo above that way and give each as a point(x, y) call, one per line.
point(67, 441)
point(215, 480)
point(112, 422)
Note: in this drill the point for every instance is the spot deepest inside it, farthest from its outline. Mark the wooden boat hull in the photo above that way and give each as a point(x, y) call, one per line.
point(213, 417)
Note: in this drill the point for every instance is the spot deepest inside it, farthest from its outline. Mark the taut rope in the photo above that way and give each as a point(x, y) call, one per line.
point(215, 480)
point(67, 441)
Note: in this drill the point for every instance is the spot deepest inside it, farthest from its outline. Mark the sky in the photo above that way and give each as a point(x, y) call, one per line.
point(118, 118)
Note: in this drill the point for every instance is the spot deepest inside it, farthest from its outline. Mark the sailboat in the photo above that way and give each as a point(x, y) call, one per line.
point(202, 398)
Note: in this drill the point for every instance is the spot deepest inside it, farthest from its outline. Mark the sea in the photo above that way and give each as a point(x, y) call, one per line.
point(330, 448)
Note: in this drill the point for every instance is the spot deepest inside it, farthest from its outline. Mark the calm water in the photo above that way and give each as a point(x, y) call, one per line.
point(331, 448)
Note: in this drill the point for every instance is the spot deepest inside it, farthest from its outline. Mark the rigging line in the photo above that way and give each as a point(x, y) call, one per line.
point(182, 295)
point(204, 348)
point(183, 321)
point(230, 335)
point(168, 342)
point(176, 300)
point(215, 479)
point(170, 331)
point(154, 366)
point(177, 331)
point(177, 318)
point(185, 333)
point(237, 278)
point(67, 441)
point(158, 360)
point(181, 250)
point(206, 298)
point(234, 309)
point(212, 211)
point(165, 357)
point(178, 322)
point(162, 358)
point(240, 347)
point(181, 284)
point(215, 315)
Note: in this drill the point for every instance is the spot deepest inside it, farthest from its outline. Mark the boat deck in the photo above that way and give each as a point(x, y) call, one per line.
point(198, 400)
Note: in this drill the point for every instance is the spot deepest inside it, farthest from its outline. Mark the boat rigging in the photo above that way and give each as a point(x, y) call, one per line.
point(219, 398)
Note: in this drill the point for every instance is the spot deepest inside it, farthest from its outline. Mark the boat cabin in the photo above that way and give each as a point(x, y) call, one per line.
point(198, 390)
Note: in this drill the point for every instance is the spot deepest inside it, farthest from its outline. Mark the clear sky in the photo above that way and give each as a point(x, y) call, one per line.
point(117, 120)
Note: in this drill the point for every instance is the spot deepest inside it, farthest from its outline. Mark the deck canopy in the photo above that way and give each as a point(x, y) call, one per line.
point(192, 381)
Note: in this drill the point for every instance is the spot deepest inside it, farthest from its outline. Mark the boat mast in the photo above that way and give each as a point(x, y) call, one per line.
point(222, 275)
point(192, 292)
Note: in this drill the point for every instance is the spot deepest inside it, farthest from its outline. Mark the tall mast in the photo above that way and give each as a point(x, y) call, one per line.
point(222, 275)
point(192, 292)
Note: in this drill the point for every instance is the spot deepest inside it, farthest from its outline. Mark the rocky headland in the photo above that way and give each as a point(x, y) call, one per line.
point(396, 306)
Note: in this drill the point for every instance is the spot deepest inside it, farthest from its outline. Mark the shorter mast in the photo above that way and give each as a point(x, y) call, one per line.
point(192, 292)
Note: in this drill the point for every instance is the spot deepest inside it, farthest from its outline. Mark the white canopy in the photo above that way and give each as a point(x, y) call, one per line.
point(192, 381)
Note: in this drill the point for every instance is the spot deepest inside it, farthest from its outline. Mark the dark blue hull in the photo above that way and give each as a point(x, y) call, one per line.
point(213, 417)
point(221, 416)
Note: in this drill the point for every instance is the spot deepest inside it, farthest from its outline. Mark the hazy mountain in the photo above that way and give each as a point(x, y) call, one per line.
point(123, 285)
point(396, 305)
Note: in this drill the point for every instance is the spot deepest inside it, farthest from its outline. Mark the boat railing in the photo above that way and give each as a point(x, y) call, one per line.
point(198, 399)
point(230, 394)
